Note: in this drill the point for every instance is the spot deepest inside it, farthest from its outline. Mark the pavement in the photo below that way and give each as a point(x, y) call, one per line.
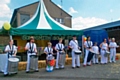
point(110, 71)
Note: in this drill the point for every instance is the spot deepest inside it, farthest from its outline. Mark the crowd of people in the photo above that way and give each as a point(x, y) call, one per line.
point(91, 56)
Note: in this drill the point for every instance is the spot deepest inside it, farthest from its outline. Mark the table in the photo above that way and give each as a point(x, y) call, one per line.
point(3, 60)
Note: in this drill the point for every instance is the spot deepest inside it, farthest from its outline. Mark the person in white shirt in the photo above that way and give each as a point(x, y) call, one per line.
point(60, 51)
point(104, 48)
point(31, 50)
point(49, 51)
point(75, 58)
point(96, 50)
point(113, 47)
point(88, 46)
point(11, 51)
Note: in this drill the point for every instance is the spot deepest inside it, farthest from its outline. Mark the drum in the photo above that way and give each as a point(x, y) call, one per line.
point(107, 53)
point(90, 55)
point(33, 62)
point(77, 52)
point(50, 57)
point(13, 65)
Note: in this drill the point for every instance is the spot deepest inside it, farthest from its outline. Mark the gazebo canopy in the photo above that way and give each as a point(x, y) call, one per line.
point(43, 24)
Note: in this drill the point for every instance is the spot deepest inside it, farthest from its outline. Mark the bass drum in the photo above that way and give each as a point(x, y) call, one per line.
point(13, 65)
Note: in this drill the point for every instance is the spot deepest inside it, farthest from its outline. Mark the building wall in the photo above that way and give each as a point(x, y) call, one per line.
point(53, 10)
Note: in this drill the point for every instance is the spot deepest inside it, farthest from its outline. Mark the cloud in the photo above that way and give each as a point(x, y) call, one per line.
point(82, 23)
point(72, 10)
point(59, 5)
point(5, 12)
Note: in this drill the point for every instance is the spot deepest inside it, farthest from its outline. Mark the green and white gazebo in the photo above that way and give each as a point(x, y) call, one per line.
point(43, 24)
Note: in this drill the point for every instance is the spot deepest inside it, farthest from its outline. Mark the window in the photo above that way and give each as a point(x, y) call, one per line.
point(24, 18)
point(60, 20)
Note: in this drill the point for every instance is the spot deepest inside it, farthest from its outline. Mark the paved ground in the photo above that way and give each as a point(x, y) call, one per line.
point(109, 71)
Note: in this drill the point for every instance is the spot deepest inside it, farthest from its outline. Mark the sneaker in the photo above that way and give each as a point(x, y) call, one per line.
point(77, 66)
point(6, 75)
point(27, 72)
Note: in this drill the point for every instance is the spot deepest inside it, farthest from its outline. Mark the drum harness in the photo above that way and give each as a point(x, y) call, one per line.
point(89, 45)
point(76, 43)
point(31, 48)
point(10, 52)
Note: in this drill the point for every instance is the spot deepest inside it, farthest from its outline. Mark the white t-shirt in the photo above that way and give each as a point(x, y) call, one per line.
point(33, 46)
point(88, 44)
point(104, 46)
point(12, 48)
point(74, 44)
point(59, 46)
point(48, 50)
point(113, 44)
point(95, 49)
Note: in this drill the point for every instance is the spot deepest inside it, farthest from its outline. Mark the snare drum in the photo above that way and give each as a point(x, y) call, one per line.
point(77, 52)
point(13, 65)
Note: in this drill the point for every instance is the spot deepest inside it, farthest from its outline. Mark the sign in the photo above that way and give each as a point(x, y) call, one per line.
point(26, 37)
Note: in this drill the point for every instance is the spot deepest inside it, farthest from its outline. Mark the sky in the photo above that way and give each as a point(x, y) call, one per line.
point(85, 13)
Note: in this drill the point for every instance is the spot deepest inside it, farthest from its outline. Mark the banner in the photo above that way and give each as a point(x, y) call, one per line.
point(26, 37)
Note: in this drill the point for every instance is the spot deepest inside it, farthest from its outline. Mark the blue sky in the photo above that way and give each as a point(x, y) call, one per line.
point(86, 13)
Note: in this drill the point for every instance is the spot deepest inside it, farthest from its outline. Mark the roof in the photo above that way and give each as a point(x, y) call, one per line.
point(15, 10)
point(105, 26)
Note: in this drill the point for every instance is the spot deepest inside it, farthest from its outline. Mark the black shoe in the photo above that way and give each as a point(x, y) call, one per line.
point(73, 67)
point(77, 66)
point(6, 75)
point(27, 71)
point(36, 71)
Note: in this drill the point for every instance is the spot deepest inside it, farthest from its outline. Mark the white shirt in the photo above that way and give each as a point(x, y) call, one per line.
point(113, 44)
point(33, 46)
point(48, 50)
point(59, 46)
point(12, 48)
point(104, 46)
point(95, 49)
point(74, 44)
point(88, 44)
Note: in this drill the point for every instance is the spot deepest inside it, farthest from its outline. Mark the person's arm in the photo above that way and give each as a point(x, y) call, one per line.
point(15, 50)
point(27, 47)
point(45, 50)
point(56, 47)
point(7, 49)
point(35, 48)
point(70, 45)
point(101, 45)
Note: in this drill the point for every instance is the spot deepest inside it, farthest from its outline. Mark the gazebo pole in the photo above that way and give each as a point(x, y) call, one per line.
point(10, 37)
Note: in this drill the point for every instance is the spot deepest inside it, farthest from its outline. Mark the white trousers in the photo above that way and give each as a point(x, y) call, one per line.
point(103, 58)
point(75, 59)
point(28, 62)
point(85, 58)
point(6, 65)
point(57, 61)
point(112, 55)
point(95, 59)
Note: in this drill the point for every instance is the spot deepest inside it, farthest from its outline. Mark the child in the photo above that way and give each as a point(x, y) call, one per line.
point(96, 50)
point(49, 59)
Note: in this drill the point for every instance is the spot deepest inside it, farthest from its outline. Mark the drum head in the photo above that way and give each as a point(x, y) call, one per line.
point(13, 59)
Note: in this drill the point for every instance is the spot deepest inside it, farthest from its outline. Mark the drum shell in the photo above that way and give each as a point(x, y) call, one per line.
point(12, 67)
point(61, 60)
point(33, 61)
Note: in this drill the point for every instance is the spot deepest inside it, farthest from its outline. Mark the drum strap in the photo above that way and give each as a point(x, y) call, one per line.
point(49, 51)
point(89, 44)
point(11, 52)
point(75, 42)
point(31, 47)
point(60, 48)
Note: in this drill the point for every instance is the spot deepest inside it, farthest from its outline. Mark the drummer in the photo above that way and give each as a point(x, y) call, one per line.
point(104, 48)
point(95, 48)
point(31, 50)
point(75, 58)
point(11, 50)
point(88, 46)
point(113, 47)
point(59, 47)
point(49, 51)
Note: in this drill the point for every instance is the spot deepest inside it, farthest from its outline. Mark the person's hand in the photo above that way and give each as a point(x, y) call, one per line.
point(14, 55)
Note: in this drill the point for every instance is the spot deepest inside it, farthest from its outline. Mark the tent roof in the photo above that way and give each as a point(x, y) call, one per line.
point(42, 24)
